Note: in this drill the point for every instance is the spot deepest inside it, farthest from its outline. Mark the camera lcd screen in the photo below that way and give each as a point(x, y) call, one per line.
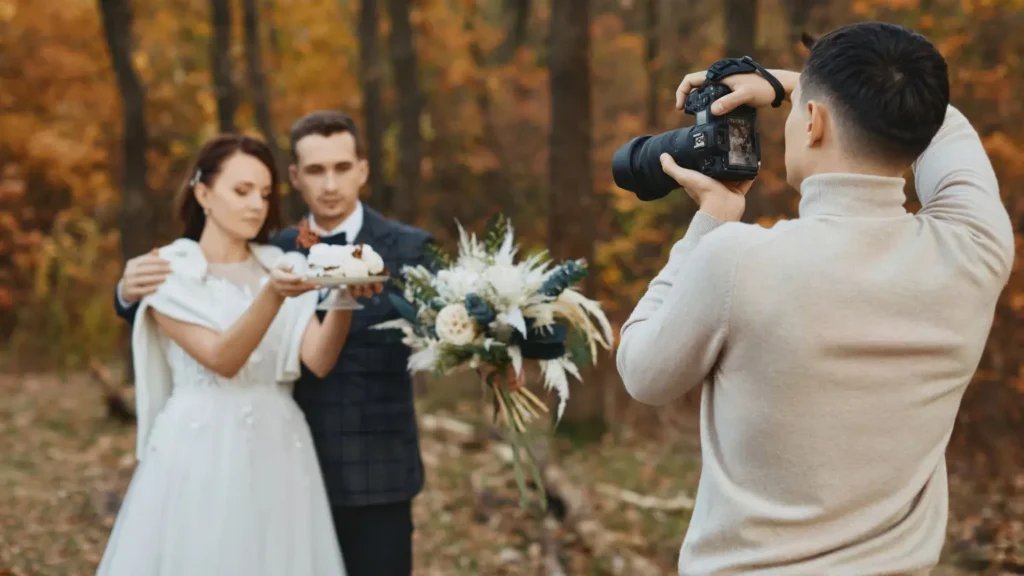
point(741, 143)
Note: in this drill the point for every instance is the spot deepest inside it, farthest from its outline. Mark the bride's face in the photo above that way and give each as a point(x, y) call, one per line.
point(237, 201)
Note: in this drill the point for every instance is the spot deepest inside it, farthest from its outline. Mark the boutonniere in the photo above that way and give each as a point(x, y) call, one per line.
point(306, 237)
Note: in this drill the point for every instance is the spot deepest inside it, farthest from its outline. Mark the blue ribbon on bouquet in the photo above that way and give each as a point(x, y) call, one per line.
point(545, 343)
point(542, 343)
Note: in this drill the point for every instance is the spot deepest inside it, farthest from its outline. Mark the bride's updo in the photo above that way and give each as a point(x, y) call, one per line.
point(207, 166)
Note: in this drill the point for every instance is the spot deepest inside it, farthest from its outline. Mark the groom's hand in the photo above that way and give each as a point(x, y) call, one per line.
point(143, 275)
point(723, 200)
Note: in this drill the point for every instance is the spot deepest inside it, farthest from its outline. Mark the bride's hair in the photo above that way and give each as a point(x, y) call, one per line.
point(205, 169)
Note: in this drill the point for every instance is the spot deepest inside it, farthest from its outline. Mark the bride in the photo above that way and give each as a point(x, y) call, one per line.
point(228, 483)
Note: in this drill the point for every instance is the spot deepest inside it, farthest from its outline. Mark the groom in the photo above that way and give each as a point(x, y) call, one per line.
point(361, 415)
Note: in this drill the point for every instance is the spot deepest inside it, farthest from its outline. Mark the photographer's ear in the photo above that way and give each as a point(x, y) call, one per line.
point(817, 123)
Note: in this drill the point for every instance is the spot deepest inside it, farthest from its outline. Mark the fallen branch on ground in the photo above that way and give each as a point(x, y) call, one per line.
point(463, 430)
point(600, 541)
point(677, 504)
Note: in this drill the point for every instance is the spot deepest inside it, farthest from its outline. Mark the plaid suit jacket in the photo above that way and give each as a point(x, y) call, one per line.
point(362, 414)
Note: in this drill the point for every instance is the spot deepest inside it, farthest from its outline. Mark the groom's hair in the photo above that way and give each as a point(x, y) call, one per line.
point(324, 123)
point(888, 87)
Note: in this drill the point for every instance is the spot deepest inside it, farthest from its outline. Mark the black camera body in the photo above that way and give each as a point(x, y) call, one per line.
point(723, 147)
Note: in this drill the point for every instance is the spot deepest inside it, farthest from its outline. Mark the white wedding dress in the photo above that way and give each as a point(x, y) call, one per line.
point(228, 483)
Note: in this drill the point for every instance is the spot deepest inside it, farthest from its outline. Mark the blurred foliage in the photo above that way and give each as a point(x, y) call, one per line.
point(485, 128)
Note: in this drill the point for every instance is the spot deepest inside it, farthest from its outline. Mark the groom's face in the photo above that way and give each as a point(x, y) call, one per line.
point(329, 173)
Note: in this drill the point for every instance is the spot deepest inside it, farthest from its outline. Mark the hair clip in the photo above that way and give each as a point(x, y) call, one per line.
point(195, 178)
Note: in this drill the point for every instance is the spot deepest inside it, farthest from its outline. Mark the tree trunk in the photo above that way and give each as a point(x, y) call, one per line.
point(495, 181)
point(797, 12)
point(653, 65)
point(275, 38)
point(741, 28)
point(370, 73)
point(519, 11)
point(220, 64)
point(410, 103)
point(571, 222)
point(260, 94)
point(136, 218)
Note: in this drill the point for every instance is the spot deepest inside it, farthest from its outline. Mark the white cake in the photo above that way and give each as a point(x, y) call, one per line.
point(374, 262)
point(348, 261)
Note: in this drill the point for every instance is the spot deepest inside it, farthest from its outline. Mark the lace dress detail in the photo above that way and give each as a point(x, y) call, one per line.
point(230, 484)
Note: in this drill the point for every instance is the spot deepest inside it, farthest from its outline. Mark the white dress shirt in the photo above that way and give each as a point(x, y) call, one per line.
point(351, 226)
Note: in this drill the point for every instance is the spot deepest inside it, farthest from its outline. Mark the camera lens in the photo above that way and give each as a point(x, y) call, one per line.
point(636, 166)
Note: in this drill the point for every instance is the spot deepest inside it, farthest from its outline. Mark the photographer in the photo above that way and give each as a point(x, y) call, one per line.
point(835, 348)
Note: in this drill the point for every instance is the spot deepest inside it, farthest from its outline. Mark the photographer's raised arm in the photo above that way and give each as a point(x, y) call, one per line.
point(671, 341)
point(957, 186)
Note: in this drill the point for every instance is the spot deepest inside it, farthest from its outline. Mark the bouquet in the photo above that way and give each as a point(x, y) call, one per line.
point(486, 311)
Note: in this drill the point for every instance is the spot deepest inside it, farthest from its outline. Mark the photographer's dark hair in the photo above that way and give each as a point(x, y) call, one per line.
point(207, 167)
point(889, 87)
point(324, 123)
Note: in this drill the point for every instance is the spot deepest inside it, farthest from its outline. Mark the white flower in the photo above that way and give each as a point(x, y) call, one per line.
point(473, 264)
point(507, 281)
point(453, 284)
point(454, 325)
point(543, 314)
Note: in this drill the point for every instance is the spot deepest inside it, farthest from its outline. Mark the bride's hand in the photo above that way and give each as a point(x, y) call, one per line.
point(286, 284)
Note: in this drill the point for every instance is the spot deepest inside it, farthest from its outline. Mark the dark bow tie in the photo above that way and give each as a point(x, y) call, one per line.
point(339, 238)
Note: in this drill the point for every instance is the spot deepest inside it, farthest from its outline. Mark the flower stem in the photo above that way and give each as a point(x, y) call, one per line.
point(533, 399)
point(500, 398)
point(520, 427)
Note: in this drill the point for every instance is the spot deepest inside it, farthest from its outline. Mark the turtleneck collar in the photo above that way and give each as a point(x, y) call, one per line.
point(856, 195)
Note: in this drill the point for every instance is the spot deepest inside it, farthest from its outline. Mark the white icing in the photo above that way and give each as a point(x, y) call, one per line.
point(353, 268)
point(374, 262)
point(340, 260)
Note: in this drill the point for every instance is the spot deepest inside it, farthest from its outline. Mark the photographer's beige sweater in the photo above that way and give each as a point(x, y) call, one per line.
point(834, 350)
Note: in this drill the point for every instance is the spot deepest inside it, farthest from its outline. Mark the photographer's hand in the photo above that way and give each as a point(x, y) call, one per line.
point(723, 200)
point(750, 89)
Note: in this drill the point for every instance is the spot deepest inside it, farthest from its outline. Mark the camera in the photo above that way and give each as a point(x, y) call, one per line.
point(723, 147)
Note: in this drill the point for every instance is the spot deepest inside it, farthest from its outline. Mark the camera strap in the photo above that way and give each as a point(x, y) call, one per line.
point(729, 66)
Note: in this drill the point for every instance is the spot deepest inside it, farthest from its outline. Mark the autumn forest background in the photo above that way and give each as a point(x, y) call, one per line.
point(465, 106)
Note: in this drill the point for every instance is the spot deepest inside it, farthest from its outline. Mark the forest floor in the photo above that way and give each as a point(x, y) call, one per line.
point(65, 465)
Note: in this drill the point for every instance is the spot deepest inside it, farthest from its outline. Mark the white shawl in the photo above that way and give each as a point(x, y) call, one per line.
point(185, 296)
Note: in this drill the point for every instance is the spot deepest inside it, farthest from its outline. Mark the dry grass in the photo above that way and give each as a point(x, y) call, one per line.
point(65, 467)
